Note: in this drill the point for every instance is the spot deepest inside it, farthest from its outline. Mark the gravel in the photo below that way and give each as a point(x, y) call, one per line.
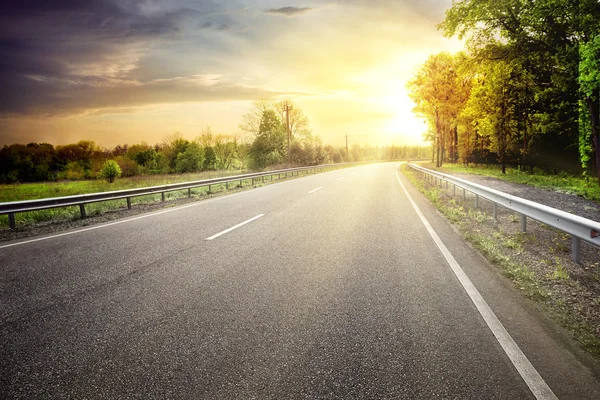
point(570, 291)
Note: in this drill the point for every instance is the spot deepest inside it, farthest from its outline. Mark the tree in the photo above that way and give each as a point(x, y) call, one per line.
point(589, 80)
point(210, 159)
point(299, 125)
point(549, 39)
point(146, 158)
point(439, 99)
point(191, 160)
point(269, 145)
point(110, 171)
point(493, 102)
point(225, 149)
point(173, 145)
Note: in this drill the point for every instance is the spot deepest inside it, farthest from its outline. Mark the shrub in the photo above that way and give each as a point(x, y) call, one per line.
point(110, 171)
point(128, 166)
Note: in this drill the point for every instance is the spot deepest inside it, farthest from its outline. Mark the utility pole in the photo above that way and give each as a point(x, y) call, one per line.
point(347, 148)
point(287, 109)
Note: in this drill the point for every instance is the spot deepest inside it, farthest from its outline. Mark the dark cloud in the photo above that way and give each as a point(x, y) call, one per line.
point(289, 11)
point(60, 97)
point(48, 48)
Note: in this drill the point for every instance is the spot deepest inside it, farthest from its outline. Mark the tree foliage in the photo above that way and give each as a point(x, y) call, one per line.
point(269, 145)
point(533, 73)
point(110, 171)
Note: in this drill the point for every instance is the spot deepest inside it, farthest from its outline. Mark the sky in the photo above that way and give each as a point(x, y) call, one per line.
point(127, 71)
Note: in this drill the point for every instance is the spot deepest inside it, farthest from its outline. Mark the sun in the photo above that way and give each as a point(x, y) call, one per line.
point(402, 126)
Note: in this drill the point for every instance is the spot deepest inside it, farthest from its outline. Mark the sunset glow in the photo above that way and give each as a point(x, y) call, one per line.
point(131, 71)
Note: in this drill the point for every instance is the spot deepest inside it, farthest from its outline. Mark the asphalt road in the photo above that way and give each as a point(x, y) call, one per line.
point(333, 288)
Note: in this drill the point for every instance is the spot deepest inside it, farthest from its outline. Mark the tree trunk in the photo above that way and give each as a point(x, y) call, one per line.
point(437, 160)
point(455, 155)
point(594, 109)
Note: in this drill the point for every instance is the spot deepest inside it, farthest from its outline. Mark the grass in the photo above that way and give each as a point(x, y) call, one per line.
point(30, 191)
point(493, 248)
point(560, 272)
point(586, 188)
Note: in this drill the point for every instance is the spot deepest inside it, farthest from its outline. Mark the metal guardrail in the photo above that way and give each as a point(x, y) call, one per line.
point(13, 207)
point(578, 227)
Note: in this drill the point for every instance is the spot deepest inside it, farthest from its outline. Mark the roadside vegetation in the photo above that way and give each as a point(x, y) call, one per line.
point(525, 94)
point(538, 261)
point(29, 220)
point(578, 185)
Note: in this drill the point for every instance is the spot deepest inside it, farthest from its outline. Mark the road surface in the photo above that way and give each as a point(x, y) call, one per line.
point(327, 286)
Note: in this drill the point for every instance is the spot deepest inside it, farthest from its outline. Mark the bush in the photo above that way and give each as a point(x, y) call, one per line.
point(73, 171)
point(128, 166)
point(110, 171)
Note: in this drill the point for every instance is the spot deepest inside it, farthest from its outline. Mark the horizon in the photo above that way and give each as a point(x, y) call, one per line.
point(137, 71)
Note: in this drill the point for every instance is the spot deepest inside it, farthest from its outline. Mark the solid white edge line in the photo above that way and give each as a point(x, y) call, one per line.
point(532, 378)
point(234, 227)
point(314, 190)
point(339, 179)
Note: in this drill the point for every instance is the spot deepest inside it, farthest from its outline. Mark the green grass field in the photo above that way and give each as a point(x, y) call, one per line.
point(30, 191)
point(586, 188)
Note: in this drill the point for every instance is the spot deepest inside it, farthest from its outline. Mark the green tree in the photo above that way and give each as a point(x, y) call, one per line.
point(110, 171)
point(210, 159)
point(548, 39)
point(589, 80)
point(172, 146)
point(191, 160)
point(439, 98)
point(269, 145)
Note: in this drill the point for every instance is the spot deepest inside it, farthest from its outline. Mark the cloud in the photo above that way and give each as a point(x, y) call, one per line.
point(35, 95)
point(52, 48)
point(289, 11)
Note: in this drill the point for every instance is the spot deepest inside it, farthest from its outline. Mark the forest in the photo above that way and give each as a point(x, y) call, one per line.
point(525, 93)
point(266, 148)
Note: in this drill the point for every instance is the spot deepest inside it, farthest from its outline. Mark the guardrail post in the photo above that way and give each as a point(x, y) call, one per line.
point(464, 195)
point(162, 196)
point(189, 192)
point(263, 179)
point(453, 189)
point(241, 183)
point(476, 201)
point(252, 181)
point(82, 211)
point(495, 211)
point(209, 189)
point(11, 221)
point(523, 223)
point(576, 249)
point(227, 185)
point(446, 185)
point(129, 203)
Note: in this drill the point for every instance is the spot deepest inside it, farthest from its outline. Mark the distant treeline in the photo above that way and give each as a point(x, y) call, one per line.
point(267, 122)
point(35, 162)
